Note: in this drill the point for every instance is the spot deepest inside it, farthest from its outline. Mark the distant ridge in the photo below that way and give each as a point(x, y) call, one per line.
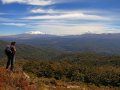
point(100, 43)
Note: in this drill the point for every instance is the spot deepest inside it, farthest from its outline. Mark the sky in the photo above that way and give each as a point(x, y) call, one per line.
point(59, 17)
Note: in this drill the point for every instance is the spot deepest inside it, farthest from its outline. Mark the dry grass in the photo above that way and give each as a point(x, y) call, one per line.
point(16, 80)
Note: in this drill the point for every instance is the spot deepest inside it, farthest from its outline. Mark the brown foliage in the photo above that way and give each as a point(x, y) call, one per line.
point(14, 80)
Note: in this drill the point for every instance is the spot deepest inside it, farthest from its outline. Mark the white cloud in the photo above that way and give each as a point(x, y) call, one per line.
point(52, 11)
point(75, 29)
point(43, 11)
point(30, 2)
point(88, 11)
point(37, 2)
point(14, 24)
point(66, 30)
point(69, 16)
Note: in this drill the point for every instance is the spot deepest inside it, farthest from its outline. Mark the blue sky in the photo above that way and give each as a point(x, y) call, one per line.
point(59, 17)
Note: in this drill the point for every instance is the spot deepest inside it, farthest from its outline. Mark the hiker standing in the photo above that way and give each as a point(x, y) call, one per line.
point(10, 52)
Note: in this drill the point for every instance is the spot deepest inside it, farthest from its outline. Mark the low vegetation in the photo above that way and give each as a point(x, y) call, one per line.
point(89, 68)
point(79, 71)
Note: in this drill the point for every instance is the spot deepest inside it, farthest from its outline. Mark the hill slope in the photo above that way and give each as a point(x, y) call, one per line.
point(14, 81)
point(29, 52)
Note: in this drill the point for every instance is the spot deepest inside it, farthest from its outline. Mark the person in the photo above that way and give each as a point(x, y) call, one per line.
point(10, 52)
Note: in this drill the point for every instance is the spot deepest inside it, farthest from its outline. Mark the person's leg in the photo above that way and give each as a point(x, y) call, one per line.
point(12, 63)
point(8, 62)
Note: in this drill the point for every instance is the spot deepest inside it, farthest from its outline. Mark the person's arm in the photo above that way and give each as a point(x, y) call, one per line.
point(13, 49)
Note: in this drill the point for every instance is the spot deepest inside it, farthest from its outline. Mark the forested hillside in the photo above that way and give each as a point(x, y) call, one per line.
point(29, 52)
point(88, 68)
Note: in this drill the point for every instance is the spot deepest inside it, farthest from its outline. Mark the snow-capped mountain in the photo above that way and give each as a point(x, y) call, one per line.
point(35, 32)
point(27, 35)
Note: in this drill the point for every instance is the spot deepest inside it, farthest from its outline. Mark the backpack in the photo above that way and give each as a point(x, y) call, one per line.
point(8, 50)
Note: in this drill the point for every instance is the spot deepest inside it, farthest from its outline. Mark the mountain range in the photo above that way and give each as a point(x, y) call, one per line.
point(98, 43)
